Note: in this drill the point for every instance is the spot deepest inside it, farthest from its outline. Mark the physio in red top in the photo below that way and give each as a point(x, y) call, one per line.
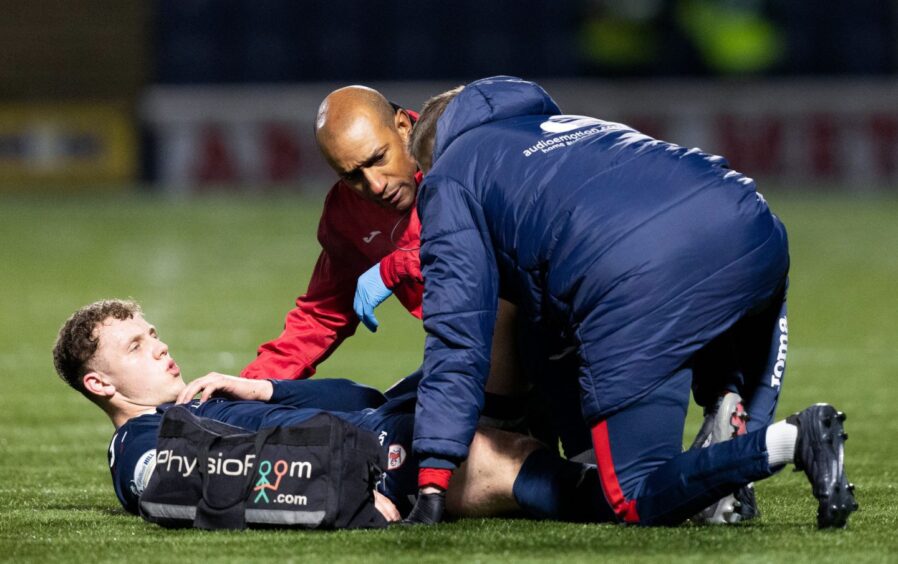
point(369, 227)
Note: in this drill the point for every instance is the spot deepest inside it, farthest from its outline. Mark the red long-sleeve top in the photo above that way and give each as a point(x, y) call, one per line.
point(355, 234)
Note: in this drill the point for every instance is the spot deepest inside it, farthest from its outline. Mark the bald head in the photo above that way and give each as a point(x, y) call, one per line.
point(364, 139)
point(343, 107)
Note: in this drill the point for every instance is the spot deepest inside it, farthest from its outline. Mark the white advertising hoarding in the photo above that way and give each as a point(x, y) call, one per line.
point(808, 133)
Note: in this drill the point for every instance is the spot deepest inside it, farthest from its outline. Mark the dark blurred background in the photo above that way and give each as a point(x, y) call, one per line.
point(192, 95)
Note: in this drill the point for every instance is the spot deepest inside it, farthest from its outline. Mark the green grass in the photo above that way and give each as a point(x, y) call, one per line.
point(217, 276)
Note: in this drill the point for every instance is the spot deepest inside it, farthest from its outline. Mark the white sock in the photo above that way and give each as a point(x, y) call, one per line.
point(781, 439)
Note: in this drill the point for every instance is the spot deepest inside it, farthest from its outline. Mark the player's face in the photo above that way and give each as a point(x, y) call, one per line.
point(136, 361)
point(373, 159)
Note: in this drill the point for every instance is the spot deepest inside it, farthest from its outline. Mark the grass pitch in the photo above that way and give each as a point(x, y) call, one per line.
point(217, 276)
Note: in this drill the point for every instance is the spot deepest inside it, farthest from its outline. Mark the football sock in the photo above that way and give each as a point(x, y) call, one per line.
point(549, 487)
point(781, 439)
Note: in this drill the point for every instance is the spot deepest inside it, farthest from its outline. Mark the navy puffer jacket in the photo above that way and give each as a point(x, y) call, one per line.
point(635, 251)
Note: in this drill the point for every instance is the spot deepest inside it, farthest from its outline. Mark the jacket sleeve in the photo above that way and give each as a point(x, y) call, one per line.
point(401, 273)
point(322, 319)
point(460, 301)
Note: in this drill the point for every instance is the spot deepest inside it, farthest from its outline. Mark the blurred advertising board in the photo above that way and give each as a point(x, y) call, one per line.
point(810, 134)
point(234, 138)
point(66, 145)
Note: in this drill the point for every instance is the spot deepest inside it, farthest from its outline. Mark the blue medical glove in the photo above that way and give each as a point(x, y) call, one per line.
point(370, 292)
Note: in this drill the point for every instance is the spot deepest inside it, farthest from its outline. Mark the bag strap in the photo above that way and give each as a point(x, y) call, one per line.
point(203, 455)
point(261, 438)
point(231, 515)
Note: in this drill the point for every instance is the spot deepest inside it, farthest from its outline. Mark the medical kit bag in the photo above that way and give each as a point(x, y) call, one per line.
point(319, 474)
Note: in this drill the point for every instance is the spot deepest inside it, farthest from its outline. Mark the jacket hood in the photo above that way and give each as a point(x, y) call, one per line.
point(487, 100)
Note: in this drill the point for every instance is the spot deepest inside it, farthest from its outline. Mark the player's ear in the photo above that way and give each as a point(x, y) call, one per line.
point(98, 384)
point(403, 124)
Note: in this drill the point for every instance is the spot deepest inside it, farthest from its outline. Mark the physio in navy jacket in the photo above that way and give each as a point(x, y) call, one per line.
point(635, 252)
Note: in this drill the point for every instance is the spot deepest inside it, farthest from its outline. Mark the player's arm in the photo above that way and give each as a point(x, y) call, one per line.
point(132, 458)
point(328, 394)
point(322, 319)
point(460, 301)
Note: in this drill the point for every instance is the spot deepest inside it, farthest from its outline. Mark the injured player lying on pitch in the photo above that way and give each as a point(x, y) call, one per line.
point(114, 357)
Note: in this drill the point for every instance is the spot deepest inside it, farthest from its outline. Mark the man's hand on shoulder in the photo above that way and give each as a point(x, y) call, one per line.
point(217, 384)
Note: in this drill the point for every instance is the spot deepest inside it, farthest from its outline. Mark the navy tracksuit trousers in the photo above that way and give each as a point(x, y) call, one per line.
point(645, 476)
